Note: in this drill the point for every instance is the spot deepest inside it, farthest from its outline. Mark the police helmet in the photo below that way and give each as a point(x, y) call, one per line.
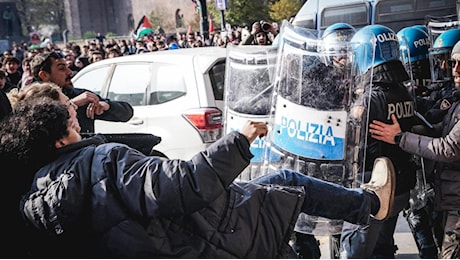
point(338, 32)
point(335, 42)
point(441, 69)
point(414, 44)
point(374, 45)
point(445, 41)
point(422, 27)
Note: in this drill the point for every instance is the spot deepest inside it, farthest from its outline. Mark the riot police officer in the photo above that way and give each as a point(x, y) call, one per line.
point(376, 50)
point(415, 43)
point(441, 75)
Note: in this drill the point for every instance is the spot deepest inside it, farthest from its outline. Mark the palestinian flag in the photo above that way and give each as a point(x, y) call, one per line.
point(143, 28)
point(196, 6)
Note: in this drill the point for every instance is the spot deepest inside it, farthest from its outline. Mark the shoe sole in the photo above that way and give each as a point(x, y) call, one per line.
point(385, 210)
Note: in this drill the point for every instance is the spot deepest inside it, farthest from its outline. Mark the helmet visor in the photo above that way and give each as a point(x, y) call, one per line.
point(441, 67)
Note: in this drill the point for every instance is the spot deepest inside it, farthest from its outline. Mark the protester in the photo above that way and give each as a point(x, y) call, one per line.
point(52, 67)
point(386, 75)
point(5, 106)
point(96, 56)
point(12, 65)
point(108, 200)
point(414, 48)
point(81, 62)
point(27, 75)
point(25, 164)
point(262, 33)
point(171, 42)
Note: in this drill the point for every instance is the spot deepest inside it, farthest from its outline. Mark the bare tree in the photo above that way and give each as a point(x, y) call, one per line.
point(23, 7)
point(38, 13)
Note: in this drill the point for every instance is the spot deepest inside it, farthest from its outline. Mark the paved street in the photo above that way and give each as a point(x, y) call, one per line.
point(403, 238)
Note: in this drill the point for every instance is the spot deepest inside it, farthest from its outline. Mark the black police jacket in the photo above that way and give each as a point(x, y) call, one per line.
point(390, 97)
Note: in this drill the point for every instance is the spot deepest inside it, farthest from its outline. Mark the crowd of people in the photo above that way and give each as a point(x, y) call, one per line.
point(15, 62)
point(86, 197)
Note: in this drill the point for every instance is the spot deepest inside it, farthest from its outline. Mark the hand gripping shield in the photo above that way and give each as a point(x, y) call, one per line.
point(414, 45)
point(248, 92)
point(319, 121)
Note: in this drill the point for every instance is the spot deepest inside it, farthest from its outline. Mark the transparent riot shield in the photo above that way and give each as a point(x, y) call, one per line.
point(441, 71)
point(418, 76)
point(319, 123)
point(248, 91)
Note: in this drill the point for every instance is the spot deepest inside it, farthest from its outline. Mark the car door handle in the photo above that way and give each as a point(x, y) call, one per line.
point(136, 121)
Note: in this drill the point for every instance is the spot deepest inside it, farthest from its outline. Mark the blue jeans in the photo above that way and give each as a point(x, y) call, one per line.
point(325, 199)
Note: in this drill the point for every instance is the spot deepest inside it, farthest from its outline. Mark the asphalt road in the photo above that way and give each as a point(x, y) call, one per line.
point(403, 239)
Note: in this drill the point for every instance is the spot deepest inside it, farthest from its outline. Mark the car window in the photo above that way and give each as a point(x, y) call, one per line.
point(129, 83)
point(93, 80)
point(168, 84)
point(217, 76)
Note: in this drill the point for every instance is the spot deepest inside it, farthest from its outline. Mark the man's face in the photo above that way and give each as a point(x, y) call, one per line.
point(191, 38)
point(60, 73)
point(456, 69)
point(97, 57)
point(69, 59)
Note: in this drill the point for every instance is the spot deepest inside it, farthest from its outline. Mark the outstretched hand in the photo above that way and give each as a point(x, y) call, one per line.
point(253, 129)
point(385, 132)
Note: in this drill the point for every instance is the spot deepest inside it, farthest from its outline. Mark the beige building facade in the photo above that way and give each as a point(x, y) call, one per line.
point(121, 16)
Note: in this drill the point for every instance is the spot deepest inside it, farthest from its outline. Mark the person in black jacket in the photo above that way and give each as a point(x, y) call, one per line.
point(52, 67)
point(5, 105)
point(96, 199)
point(438, 144)
point(24, 167)
point(380, 67)
point(420, 215)
point(27, 165)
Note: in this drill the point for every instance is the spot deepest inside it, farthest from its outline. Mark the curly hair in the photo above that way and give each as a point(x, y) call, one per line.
point(35, 90)
point(30, 133)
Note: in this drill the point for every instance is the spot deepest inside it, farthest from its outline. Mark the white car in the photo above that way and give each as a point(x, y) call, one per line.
point(176, 94)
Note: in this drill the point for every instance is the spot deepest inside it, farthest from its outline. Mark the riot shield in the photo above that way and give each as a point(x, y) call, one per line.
point(419, 76)
point(441, 70)
point(248, 91)
point(319, 124)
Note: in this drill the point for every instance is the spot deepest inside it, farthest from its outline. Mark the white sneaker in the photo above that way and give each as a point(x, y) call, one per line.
point(383, 184)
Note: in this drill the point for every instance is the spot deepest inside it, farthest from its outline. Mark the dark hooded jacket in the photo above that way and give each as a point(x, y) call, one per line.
point(111, 201)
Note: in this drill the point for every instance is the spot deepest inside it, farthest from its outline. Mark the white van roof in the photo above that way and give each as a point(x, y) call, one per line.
point(318, 14)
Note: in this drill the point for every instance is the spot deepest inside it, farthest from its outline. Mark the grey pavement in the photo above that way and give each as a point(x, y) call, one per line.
point(407, 248)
